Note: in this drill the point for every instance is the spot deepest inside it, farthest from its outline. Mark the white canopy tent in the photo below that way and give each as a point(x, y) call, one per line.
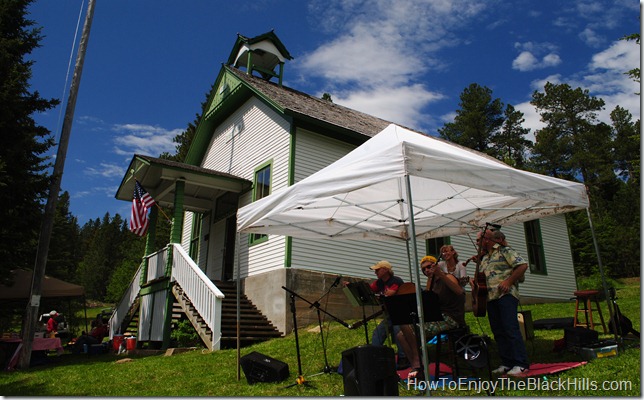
point(401, 185)
point(364, 194)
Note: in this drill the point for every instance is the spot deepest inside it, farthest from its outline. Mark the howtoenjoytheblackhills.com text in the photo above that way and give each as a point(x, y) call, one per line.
point(526, 384)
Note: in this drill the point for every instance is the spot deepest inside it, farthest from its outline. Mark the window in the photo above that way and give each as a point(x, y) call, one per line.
point(195, 235)
point(536, 256)
point(435, 244)
point(261, 188)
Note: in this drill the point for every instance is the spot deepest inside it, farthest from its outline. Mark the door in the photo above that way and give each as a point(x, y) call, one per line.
point(229, 248)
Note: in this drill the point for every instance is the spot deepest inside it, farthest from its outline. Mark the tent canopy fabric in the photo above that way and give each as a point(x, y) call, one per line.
point(365, 195)
point(51, 287)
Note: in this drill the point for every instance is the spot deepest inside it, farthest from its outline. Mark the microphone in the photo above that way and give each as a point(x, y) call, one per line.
point(337, 281)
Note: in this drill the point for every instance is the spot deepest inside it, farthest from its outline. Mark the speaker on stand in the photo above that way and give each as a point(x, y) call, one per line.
point(369, 370)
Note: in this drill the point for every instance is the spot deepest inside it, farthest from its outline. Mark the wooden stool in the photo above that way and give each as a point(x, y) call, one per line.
point(586, 299)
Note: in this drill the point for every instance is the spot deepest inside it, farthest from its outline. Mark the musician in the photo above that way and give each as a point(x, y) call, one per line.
point(451, 265)
point(504, 269)
point(451, 298)
point(387, 285)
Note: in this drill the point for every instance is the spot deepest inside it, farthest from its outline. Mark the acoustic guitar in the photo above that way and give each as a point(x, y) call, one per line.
point(479, 291)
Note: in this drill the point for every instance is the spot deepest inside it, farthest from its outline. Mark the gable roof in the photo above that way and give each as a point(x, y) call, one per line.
point(304, 106)
point(307, 111)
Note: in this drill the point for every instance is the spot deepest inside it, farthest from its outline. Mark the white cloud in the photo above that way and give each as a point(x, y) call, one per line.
point(144, 139)
point(525, 62)
point(607, 79)
point(378, 47)
point(539, 84)
point(532, 118)
point(402, 105)
point(106, 170)
point(528, 58)
point(591, 38)
point(604, 78)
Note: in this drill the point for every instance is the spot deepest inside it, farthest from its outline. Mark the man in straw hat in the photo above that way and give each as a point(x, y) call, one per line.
point(387, 285)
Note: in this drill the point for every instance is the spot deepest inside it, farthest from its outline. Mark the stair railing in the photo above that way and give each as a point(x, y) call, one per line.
point(122, 308)
point(204, 295)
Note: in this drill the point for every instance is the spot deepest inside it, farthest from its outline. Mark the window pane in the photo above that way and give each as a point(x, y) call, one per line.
point(536, 257)
point(262, 189)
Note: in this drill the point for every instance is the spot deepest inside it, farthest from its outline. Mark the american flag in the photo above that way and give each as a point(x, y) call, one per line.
point(141, 203)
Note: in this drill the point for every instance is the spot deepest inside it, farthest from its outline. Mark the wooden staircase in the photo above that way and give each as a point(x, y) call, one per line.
point(254, 326)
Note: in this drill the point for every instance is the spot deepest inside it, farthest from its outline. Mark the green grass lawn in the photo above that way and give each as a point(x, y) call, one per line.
point(198, 373)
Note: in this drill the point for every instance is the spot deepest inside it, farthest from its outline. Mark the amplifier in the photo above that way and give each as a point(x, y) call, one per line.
point(579, 336)
point(261, 368)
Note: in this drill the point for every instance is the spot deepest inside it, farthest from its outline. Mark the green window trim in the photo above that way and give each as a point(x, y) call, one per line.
point(262, 185)
point(534, 244)
point(195, 236)
point(433, 245)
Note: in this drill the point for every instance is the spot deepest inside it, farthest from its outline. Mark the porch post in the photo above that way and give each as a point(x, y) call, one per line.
point(175, 237)
point(149, 244)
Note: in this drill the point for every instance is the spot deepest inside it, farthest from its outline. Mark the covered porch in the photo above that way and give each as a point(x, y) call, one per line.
point(174, 272)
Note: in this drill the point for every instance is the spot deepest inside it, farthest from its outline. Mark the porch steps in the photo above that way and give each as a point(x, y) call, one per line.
point(254, 327)
point(185, 305)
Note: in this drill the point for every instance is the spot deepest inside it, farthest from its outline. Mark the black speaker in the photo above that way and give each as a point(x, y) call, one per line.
point(261, 368)
point(578, 336)
point(369, 370)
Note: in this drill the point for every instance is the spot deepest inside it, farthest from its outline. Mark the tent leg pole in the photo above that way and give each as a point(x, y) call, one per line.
point(419, 297)
point(409, 261)
point(238, 285)
point(604, 284)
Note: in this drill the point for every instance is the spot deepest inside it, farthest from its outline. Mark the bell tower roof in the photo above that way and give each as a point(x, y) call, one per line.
point(261, 54)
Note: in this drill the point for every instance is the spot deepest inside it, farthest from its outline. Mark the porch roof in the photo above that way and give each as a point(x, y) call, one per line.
point(158, 177)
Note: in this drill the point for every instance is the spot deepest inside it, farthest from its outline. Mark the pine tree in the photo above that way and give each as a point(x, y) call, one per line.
point(23, 179)
point(477, 121)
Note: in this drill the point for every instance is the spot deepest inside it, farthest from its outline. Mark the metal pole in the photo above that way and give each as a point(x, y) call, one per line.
point(419, 289)
point(604, 284)
point(238, 286)
point(31, 314)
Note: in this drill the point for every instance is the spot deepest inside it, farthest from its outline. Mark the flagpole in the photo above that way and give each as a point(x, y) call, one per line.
point(31, 314)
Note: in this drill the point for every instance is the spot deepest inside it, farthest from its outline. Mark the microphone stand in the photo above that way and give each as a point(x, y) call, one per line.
point(327, 368)
point(300, 377)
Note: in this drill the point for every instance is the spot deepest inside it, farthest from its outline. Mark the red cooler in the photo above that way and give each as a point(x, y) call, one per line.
point(116, 342)
point(130, 343)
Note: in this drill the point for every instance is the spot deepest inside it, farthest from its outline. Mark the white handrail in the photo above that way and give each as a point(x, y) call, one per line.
point(204, 295)
point(131, 293)
point(156, 264)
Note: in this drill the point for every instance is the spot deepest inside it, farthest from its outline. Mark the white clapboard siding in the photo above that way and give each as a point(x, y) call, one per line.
point(253, 135)
point(341, 257)
point(314, 152)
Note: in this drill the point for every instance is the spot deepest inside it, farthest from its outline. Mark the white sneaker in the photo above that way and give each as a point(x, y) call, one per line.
point(516, 371)
point(501, 370)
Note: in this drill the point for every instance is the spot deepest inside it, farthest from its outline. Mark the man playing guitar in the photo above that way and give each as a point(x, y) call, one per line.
point(504, 269)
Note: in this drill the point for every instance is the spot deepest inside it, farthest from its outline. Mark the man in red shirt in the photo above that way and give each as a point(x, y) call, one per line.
point(387, 285)
point(52, 324)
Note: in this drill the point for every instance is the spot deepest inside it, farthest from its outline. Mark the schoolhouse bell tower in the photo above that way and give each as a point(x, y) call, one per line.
point(260, 56)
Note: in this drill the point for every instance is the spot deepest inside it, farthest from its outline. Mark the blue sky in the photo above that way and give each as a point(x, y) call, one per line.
point(150, 64)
